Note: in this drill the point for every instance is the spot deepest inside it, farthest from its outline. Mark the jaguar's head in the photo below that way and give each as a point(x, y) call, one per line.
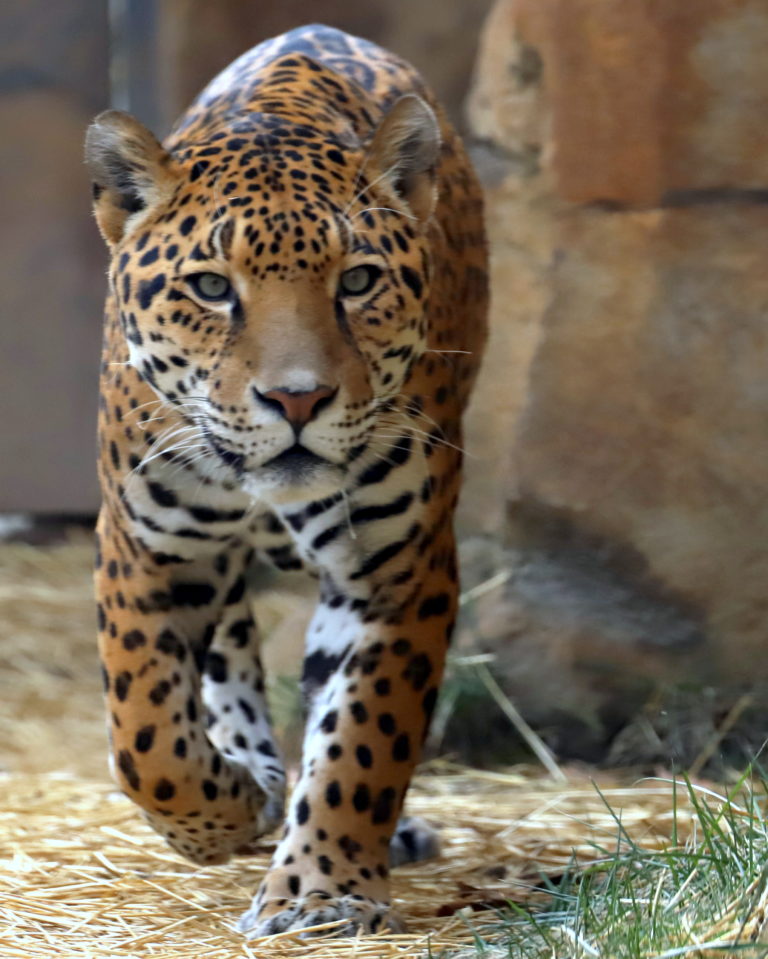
point(272, 282)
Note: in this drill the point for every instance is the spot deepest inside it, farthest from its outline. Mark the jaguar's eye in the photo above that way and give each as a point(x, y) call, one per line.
point(210, 286)
point(358, 280)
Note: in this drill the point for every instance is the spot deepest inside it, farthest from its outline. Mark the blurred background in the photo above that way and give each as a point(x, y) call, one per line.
point(614, 525)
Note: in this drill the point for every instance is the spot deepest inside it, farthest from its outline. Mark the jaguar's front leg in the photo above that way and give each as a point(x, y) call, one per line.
point(375, 656)
point(238, 720)
point(158, 615)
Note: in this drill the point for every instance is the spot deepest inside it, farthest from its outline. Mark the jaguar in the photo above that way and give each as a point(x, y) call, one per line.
point(295, 316)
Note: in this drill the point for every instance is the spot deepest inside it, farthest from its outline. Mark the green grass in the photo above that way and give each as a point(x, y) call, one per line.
point(705, 897)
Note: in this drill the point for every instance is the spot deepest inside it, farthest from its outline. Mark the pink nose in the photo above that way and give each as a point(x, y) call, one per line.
point(299, 407)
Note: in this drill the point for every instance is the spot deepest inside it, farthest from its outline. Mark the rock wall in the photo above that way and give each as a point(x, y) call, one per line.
point(54, 78)
point(624, 152)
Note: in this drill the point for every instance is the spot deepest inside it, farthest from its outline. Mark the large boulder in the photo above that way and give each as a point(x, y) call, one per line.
point(508, 116)
point(646, 419)
point(620, 426)
point(653, 101)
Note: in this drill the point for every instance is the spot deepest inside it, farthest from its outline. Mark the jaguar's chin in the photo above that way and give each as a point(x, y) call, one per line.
point(295, 475)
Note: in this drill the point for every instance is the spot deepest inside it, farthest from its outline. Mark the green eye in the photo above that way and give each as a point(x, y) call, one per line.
point(210, 286)
point(358, 280)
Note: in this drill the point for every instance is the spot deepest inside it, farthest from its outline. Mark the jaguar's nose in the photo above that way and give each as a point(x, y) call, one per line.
point(297, 406)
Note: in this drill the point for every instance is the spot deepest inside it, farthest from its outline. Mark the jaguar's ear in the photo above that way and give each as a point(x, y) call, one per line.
point(130, 170)
point(406, 147)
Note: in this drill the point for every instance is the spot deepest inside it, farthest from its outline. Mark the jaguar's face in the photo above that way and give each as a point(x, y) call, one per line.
point(275, 297)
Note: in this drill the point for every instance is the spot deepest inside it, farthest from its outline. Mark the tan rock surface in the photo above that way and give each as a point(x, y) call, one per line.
point(652, 98)
point(620, 421)
point(508, 121)
point(647, 407)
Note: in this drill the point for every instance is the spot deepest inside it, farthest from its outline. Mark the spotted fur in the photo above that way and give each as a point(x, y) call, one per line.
point(309, 417)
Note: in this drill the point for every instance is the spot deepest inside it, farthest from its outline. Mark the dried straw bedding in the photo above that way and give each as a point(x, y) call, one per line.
point(82, 876)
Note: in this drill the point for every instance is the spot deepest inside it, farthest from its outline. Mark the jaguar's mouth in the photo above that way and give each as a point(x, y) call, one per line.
point(284, 477)
point(296, 462)
point(296, 474)
point(234, 460)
